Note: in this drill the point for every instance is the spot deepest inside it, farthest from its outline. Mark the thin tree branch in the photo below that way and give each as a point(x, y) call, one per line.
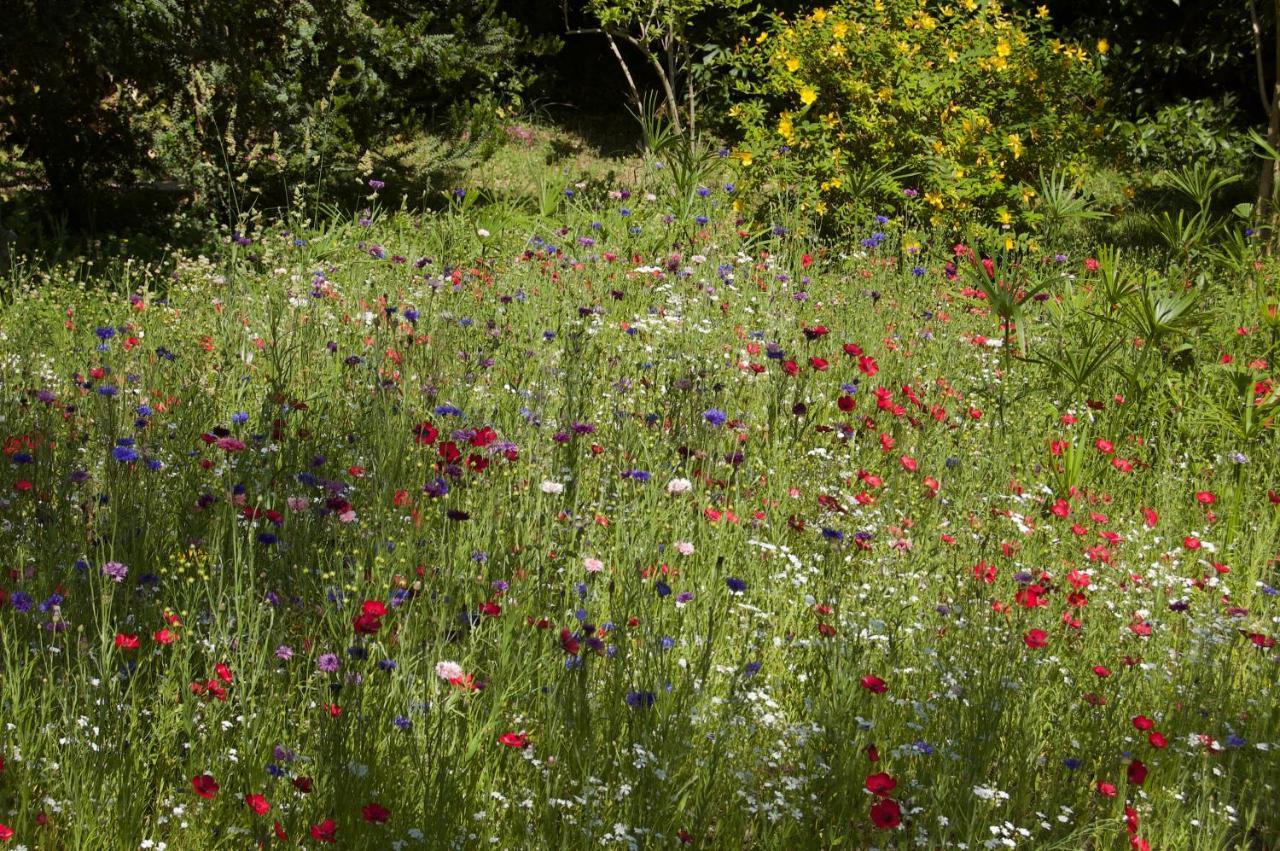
point(1257, 55)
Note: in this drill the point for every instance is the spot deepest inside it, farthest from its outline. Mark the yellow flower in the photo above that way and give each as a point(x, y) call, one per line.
point(808, 95)
point(785, 128)
point(744, 157)
point(793, 65)
point(1015, 145)
point(1103, 45)
point(1003, 48)
point(934, 199)
point(840, 30)
point(1008, 243)
point(885, 93)
point(819, 15)
point(820, 208)
point(1006, 218)
point(1042, 12)
point(763, 37)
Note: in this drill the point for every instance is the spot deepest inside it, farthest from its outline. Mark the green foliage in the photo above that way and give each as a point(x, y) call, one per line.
point(974, 100)
point(1184, 133)
point(221, 90)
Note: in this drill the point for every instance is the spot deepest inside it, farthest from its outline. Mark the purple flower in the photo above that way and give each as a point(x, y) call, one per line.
point(115, 571)
point(715, 416)
point(328, 663)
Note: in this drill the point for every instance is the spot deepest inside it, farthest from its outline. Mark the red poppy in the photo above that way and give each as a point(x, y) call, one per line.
point(326, 831)
point(1036, 639)
point(1151, 517)
point(375, 813)
point(881, 784)
point(257, 803)
point(1102, 671)
point(886, 814)
point(205, 785)
point(223, 671)
point(1205, 497)
point(425, 433)
point(514, 740)
point(1137, 773)
point(1107, 790)
point(165, 636)
point(874, 684)
point(377, 608)
point(127, 640)
point(1157, 740)
point(366, 624)
point(6, 833)
point(280, 834)
point(568, 643)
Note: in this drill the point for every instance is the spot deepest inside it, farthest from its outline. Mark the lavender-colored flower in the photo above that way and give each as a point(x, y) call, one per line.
point(115, 571)
point(327, 663)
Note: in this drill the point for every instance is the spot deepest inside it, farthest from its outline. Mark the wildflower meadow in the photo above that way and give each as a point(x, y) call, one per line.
point(603, 424)
point(607, 528)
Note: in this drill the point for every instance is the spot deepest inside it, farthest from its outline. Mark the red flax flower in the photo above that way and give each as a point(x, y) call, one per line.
point(375, 813)
point(1137, 773)
point(127, 641)
point(886, 814)
point(514, 740)
point(205, 785)
point(257, 803)
point(326, 831)
point(874, 684)
point(881, 784)
point(1036, 639)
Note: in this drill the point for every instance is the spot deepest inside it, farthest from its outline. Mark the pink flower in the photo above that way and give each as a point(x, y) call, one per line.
point(593, 565)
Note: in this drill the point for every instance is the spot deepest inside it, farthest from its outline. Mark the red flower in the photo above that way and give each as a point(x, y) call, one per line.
point(881, 784)
point(568, 643)
point(1107, 790)
point(874, 684)
point(366, 624)
point(1102, 671)
point(257, 803)
point(302, 784)
point(375, 813)
point(514, 740)
point(1157, 740)
point(886, 814)
point(223, 671)
point(1036, 639)
point(6, 833)
point(205, 785)
point(1151, 517)
point(425, 433)
point(280, 834)
point(377, 608)
point(127, 640)
point(325, 831)
point(1205, 497)
point(1137, 773)
point(165, 636)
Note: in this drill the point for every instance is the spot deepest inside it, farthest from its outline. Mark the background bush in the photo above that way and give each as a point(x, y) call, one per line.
point(967, 102)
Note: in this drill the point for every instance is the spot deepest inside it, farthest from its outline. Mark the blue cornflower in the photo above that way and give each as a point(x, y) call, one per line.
point(736, 585)
point(125, 454)
point(715, 416)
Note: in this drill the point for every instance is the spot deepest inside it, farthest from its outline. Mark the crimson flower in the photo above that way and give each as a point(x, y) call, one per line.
point(874, 684)
point(881, 784)
point(326, 831)
point(205, 785)
point(257, 803)
point(1107, 790)
point(127, 641)
point(1137, 773)
point(514, 740)
point(1036, 639)
point(375, 813)
point(886, 814)
point(6, 833)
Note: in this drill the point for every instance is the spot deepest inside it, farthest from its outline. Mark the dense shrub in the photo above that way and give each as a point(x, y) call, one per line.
point(212, 90)
point(966, 102)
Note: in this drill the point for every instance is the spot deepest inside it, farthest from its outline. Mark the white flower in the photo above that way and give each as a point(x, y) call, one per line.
point(679, 486)
point(551, 487)
point(684, 548)
point(482, 233)
point(447, 670)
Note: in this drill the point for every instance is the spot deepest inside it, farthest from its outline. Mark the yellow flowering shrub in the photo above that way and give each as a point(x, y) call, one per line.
point(972, 99)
